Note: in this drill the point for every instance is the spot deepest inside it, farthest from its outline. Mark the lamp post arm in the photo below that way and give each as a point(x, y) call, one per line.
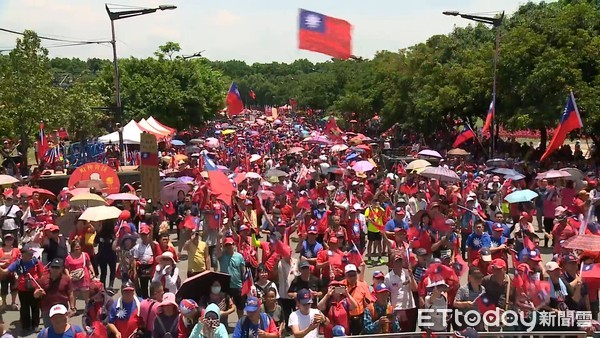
point(128, 14)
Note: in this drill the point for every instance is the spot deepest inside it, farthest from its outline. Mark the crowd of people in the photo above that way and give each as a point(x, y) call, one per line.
point(307, 218)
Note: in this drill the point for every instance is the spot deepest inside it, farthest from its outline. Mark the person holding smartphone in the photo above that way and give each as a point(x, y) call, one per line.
point(336, 305)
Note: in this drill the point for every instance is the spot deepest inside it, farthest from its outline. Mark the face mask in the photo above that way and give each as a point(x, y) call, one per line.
point(212, 323)
point(321, 209)
point(215, 289)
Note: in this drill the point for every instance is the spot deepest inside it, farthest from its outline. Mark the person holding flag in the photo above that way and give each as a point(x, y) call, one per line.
point(374, 216)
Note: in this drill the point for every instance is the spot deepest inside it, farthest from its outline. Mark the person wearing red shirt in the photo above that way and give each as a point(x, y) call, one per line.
point(331, 262)
point(336, 230)
point(355, 227)
point(336, 305)
point(563, 230)
point(245, 247)
point(9, 255)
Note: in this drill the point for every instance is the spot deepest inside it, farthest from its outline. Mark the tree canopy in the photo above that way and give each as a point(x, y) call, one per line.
point(546, 50)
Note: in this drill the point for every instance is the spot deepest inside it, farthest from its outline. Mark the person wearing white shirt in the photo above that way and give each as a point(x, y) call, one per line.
point(167, 273)
point(401, 283)
point(10, 215)
point(305, 321)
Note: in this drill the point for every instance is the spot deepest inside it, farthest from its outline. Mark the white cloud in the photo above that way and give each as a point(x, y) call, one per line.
point(225, 19)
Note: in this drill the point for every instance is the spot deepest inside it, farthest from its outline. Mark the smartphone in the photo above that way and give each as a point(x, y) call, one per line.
point(339, 289)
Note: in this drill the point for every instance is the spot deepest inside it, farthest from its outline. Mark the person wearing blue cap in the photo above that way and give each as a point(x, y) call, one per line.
point(305, 321)
point(339, 331)
point(255, 323)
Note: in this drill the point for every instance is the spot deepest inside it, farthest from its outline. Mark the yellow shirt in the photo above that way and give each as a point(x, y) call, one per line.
point(378, 214)
point(196, 261)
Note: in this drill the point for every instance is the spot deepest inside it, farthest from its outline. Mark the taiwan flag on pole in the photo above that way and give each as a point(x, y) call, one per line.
point(42, 146)
point(465, 135)
point(324, 34)
point(569, 121)
point(234, 101)
point(488, 119)
point(149, 159)
point(590, 271)
point(219, 183)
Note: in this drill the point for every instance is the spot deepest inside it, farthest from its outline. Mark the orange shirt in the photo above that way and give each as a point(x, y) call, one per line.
point(361, 294)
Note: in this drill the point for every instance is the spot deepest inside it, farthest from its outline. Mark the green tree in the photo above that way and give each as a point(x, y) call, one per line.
point(168, 49)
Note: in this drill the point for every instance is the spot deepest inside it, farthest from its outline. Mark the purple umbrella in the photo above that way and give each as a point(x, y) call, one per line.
point(185, 179)
point(440, 173)
point(430, 153)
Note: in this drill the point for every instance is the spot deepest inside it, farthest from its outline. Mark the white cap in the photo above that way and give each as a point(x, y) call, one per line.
point(58, 309)
point(357, 206)
point(323, 158)
point(354, 182)
point(551, 266)
point(469, 199)
point(331, 187)
point(349, 268)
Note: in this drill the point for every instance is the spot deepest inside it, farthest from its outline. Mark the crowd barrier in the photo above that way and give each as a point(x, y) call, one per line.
point(536, 334)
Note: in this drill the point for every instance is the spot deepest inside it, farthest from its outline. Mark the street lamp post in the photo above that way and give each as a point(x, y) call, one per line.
point(113, 16)
point(496, 22)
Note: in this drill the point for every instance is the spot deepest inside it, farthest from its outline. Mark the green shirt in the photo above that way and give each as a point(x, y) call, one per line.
point(232, 265)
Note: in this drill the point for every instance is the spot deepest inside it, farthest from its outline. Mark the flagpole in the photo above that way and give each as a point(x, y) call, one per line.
point(477, 138)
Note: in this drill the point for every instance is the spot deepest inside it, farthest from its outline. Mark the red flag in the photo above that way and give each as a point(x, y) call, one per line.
point(590, 271)
point(354, 256)
point(465, 135)
point(189, 222)
point(247, 283)
point(570, 120)
point(528, 243)
point(484, 304)
point(149, 159)
point(303, 203)
point(488, 119)
point(219, 183)
point(540, 294)
point(252, 94)
point(42, 146)
point(234, 101)
point(279, 247)
point(522, 279)
point(324, 34)
point(459, 265)
point(293, 104)
point(438, 271)
point(332, 131)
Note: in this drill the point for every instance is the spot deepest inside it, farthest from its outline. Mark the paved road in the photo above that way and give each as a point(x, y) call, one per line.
point(11, 318)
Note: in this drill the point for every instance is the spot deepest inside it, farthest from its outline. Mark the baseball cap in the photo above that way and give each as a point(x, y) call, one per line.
point(312, 230)
point(186, 306)
point(467, 333)
point(243, 227)
point(58, 309)
point(470, 199)
point(551, 266)
point(57, 263)
point(333, 239)
point(27, 248)
point(497, 227)
point(475, 271)
point(127, 286)
point(400, 211)
point(304, 264)
point(401, 200)
point(381, 287)
point(350, 268)
point(560, 211)
point(144, 230)
point(252, 304)
point(51, 227)
point(498, 263)
point(338, 331)
point(320, 201)
point(378, 274)
point(421, 252)
point(228, 240)
point(304, 297)
point(9, 235)
point(534, 255)
point(357, 206)
point(569, 258)
point(399, 230)
point(486, 254)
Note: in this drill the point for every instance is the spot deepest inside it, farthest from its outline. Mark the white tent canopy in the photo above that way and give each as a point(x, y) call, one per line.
point(131, 135)
point(145, 125)
point(158, 126)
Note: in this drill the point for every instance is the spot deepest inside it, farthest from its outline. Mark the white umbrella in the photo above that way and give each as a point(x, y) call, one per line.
point(212, 142)
point(255, 157)
point(430, 153)
point(338, 147)
point(100, 213)
point(7, 179)
point(252, 175)
point(553, 174)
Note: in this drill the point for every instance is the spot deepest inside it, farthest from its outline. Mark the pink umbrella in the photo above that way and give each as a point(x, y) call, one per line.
point(123, 197)
point(553, 174)
point(317, 140)
point(78, 191)
point(169, 192)
point(440, 173)
point(363, 166)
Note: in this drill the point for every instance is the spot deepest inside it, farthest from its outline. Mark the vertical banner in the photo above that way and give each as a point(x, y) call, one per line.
point(149, 167)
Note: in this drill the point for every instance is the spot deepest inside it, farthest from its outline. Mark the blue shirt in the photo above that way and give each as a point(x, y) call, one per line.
point(392, 225)
point(497, 242)
point(232, 265)
point(310, 251)
point(475, 242)
point(21, 267)
point(70, 333)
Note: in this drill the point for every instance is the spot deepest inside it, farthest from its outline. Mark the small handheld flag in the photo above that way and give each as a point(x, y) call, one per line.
point(465, 135)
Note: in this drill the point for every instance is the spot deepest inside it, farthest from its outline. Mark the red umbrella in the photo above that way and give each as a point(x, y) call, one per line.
point(582, 242)
point(29, 191)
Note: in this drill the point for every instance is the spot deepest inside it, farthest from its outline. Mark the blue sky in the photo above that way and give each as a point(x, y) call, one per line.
point(249, 30)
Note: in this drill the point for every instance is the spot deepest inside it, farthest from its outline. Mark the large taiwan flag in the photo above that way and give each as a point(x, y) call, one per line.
point(570, 120)
point(234, 101)
point(323, 34)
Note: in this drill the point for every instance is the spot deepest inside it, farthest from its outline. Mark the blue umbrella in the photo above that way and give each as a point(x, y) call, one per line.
point(521, 196)
point(351, 156)
point(177, 143)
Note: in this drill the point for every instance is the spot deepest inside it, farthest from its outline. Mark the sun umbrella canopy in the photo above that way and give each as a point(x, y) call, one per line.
point(553, 174)
point(417, 164)
point(7, 179)
point(87, 200)
point(521, 196)
point(339, 147)
point(275, 173)
point(177, 143)
point(458, 152)
point(582, 242)
point(505, 171)
point(169, 192)
point(100, 213)
point(228, 131)
point(253, 175)
point(440, 173)
point(430, 153)
point(295, 150)
point(255, 157)
point(122, 197)
point(363, 166)
point(496, 162)
point(198, 286)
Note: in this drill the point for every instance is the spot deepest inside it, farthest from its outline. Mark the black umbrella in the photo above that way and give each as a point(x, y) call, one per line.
point(198, 286)
point(67, 222)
